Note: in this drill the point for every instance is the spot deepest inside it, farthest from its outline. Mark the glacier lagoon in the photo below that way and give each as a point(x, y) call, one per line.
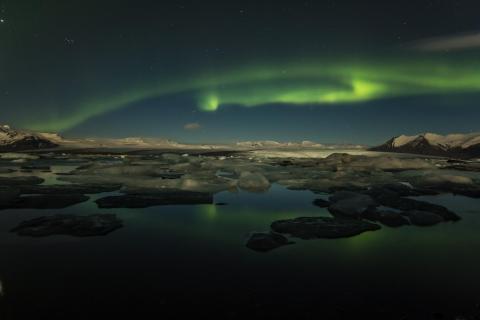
point(172, 259)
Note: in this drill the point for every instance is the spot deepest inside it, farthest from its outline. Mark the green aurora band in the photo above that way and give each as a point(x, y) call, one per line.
point(309, 82)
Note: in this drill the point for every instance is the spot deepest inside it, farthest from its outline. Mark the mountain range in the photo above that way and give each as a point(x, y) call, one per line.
point(18, 140)
point(12, 140)
point(451, 145)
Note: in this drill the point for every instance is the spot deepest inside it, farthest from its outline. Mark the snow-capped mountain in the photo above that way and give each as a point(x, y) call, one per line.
point(12, 140)
point(452, 145)
point(18, 140)
point(276, 144)
point(269, 144)
point(135, 143)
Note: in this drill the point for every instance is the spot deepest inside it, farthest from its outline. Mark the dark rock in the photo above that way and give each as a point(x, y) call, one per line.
point(20, 181)
point(423, 218)
point(399, 189)
point(264, 242)
point(457, 161)
point(465, 166)
point(36, 167)
point(348, 209)
point(406, 204)
point(386, 217)
point(65, 173)
point(350, 204)
point(70, 188)
point(345, 195)
point(468, 190)
point(167, 197)
point(168, 175)
point(66, 224)
point(321, 203)
point(50, 201)
point(347, 187)
point(322, 227)
point(285, 163)
point(472, 191)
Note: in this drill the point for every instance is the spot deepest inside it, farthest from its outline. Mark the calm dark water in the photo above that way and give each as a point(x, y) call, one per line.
point(178, 260)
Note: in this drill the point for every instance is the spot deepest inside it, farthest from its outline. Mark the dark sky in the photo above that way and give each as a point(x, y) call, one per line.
point(220, 71)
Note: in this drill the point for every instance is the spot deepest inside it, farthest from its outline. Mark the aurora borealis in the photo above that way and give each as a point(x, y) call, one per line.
point(63, 73)
point(313, 83)
point(340, 82)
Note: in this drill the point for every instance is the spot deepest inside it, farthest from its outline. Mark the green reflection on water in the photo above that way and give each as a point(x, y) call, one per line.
point(176, 246)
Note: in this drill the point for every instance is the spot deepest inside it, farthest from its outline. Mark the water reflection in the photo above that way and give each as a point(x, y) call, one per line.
point(212, 237)
point(209, 211)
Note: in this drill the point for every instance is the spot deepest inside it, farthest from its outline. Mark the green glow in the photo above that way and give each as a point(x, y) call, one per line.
point(209, 102)
point(209, 211)
point(309, 82)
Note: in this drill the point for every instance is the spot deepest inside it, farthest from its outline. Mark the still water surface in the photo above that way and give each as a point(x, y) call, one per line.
point(172, 260)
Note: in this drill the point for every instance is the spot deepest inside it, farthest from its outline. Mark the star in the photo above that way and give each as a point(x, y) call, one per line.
point(2, 20)
point(69, 42)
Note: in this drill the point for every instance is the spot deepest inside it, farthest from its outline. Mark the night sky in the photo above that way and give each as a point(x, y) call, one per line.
point(221, 71)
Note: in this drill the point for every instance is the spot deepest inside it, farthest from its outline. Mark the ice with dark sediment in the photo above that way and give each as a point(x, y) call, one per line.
point(363, 190)
point(69, 224)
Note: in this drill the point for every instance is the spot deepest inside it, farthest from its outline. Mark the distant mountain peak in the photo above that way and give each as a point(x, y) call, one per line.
point(451, 145)
point(276, 144)
point(20, 140)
